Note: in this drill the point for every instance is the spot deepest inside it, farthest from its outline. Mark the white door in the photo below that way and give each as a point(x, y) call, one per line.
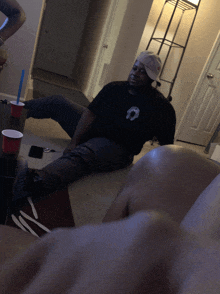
point(202, 115)
point(106, 49)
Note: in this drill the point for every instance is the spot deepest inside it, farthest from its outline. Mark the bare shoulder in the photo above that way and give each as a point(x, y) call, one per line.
point(10, 7)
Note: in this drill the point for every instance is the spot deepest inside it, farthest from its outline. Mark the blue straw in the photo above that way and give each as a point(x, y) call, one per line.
point(20, 86)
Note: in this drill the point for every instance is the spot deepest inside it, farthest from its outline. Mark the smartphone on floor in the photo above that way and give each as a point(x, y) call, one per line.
point(36, 152)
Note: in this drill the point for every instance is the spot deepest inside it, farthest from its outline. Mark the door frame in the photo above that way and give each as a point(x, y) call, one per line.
point(97, 64)
point(189, 107)
point(30, 81)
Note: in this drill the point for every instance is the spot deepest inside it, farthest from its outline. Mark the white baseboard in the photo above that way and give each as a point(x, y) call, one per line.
point(4, 96)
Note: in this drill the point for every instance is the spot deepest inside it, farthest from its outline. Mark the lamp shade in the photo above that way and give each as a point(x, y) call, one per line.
point(195, 2)
point(185, 4)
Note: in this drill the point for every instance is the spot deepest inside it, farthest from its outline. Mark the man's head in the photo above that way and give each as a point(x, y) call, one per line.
point(145, 70)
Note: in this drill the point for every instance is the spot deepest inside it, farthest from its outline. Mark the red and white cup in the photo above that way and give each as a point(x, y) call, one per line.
point(11, 141)
point(16, 109)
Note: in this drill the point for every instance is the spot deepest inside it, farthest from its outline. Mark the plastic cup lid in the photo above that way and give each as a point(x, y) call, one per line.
point(15, 103)
point(12, 134)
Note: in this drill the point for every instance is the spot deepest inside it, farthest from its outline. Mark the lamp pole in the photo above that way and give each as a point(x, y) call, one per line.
point(183, 5)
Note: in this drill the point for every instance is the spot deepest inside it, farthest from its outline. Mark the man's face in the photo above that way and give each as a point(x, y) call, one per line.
point(138, 76)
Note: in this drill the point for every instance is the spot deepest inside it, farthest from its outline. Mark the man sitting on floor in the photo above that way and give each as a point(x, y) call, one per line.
point(107, 134)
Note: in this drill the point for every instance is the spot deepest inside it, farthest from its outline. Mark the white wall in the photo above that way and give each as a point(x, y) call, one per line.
point(20, 48)
point(132, 28)
point(107, 42)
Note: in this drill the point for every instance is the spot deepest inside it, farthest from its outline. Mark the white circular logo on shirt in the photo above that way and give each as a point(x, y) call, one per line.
point(133, 113)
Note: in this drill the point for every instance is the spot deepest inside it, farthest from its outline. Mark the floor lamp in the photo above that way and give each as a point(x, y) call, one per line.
point(183, 6)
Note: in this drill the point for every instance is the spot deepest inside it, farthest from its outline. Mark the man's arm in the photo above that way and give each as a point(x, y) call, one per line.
point(96, 107)
point(83, 126)
point(15, 18)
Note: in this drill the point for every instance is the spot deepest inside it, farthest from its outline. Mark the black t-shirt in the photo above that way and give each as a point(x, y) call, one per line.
point(131, 120)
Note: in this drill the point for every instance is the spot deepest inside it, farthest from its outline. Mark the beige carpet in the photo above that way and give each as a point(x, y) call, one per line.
point(92, 196)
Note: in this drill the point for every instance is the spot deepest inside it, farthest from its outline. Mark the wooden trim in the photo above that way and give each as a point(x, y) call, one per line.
point(101, 50)
point(198, 85)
